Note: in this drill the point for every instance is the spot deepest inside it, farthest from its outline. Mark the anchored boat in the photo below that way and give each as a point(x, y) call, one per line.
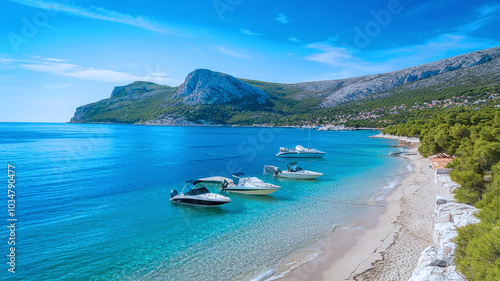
point(300, 152)
point(293, 172)
point(243, 185)
point(195, 193)
point(250, 185)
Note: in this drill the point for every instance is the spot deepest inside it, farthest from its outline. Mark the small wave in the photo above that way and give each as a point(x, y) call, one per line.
point(410, 168)
point(380, 198)
point(391, 185)
point(298, 264)
point(264, 275)
point(353, 228)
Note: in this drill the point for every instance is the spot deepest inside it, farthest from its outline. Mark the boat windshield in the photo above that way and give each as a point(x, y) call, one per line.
point(237, 177)
point(198, 191)
point(292, 167)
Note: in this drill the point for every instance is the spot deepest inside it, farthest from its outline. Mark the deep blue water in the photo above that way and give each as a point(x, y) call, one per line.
point(92, 201)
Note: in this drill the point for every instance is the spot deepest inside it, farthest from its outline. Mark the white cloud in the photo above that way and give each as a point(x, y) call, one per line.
point(233, 53)
point(56, 86)
point(98, 13)
point(94, 74)
point(329, 54)
point(103, 75)
point(343, 61)
point(347, 63)
point(45, 59)
point(473, 25)
point(294, 39)
point(59, 67)
point(436, 48)
point(248, 32)
point(159, 76)
point(282, 18)
point(6, 60)
point(455, 42)
point(51, 67)
point(53, 59)
point(486, 10)
point(484, 19)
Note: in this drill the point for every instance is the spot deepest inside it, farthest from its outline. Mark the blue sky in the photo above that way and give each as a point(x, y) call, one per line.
point(58, 55)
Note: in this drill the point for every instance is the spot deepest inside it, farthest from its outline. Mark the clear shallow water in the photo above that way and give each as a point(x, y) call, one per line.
point(92, 200)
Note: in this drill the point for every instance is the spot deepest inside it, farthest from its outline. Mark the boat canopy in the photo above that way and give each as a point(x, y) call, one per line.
point(300, 147)
point(217, 179)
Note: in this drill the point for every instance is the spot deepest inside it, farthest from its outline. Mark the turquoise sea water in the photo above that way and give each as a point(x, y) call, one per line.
point(92, 201)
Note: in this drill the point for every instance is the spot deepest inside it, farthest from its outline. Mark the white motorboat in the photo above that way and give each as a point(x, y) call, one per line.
point(195, 193)
point(293, 172)
point(299, 152)
point(250, 185)
point(243, 185)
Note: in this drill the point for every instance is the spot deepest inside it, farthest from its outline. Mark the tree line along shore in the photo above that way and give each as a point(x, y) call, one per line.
point(472, 137)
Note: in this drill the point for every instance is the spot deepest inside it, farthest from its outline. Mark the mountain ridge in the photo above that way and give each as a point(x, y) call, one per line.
point(205, 93)
point(340, 90)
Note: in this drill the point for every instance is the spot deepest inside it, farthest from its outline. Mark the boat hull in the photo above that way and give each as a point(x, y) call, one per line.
point(300, 155)
point(252, 191)
point(198, 202)
point(299, 176)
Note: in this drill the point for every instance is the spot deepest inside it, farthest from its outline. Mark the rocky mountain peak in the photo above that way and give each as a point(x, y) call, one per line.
point(204, 86)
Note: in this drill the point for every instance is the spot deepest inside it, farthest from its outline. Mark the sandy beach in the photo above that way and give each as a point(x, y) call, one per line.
point(387, 244)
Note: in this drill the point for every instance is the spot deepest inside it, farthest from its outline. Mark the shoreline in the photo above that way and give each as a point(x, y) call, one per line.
point(220, 125)
point(388, 242)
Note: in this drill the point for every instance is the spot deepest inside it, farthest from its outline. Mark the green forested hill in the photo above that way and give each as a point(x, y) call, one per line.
point(471, 80)
point(283, 108)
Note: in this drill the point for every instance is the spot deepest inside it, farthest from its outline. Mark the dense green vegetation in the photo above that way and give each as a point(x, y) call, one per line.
point(473, 138)
point(138, 87)
point(280, 109)
point(131, 109)
point(286, 106)
point(383, 102)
